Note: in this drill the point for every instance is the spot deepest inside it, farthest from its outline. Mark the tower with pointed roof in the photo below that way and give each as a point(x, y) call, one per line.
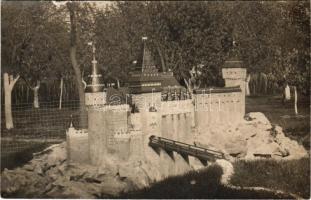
point(146, 77)
point(94, 89)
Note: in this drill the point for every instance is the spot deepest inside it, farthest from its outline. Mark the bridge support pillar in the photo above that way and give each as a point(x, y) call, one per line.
point(167, 163)
point(181, 163)
point(195, 163)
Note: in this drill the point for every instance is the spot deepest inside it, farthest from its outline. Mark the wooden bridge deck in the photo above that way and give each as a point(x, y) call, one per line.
point(185, 149)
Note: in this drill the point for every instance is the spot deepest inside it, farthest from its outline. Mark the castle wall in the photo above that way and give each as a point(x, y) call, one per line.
point(108, 132)
point(136, 139)
point(176, 120)
point(217, 109)
point(115, 132)
point(146, 100)
point(151, 126)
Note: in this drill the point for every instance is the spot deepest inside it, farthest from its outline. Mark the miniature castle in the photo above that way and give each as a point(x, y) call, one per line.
point(156, 104)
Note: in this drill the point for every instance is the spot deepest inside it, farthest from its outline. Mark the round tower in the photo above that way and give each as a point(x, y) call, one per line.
point(95, 98)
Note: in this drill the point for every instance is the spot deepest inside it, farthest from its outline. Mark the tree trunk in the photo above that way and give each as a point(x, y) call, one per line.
point(36, 95)
point(27, 95)
point(189, 86)
point(74, 62)
point(296, 99)
point(265, 83)
point(118, 83)
point(61, 92)
point(83, 121)
point(36, 98)
point(287, 92)
point(9, 83)
point(161, 58)
point(247, 85)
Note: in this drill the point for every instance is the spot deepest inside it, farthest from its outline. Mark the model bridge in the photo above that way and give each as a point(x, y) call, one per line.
point(184, 149)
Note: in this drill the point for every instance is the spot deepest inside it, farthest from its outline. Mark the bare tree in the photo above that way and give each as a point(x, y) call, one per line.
point(8, 82)
point(73, 58)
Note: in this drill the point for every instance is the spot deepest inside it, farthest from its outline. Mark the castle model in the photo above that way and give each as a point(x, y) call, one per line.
point(153, 103)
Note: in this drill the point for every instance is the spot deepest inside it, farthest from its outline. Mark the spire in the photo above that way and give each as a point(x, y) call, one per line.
point(95, 83)
point(94, 61)
point(145, 63)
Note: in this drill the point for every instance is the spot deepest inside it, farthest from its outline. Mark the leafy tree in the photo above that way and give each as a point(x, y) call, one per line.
point(182, 35)
point(81, 33)
point(33, 37)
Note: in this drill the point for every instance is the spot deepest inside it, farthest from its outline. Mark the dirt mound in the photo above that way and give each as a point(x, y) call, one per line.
point(253, 138)
point(49, 175)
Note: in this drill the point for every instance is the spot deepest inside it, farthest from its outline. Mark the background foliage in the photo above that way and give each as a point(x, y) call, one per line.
point(273, 38)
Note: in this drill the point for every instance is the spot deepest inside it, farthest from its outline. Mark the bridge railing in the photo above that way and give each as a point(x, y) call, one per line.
point(184, 148)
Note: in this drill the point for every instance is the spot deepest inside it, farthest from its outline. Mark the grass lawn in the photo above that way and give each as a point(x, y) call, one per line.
point(34, 130)
point(40, 123)
point(295, 127)
point(291, 176)
point(17, 153)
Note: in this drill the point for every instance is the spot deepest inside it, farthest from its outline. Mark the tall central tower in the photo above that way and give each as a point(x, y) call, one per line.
point(94, 90)
point(95, 99)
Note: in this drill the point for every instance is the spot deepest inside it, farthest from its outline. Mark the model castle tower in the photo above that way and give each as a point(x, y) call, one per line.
point(233, 71)
point(94, 91)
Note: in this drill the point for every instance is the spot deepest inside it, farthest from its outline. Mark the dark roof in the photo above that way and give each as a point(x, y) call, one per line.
point(147, 78)
point(140, 77)
point(168, 79)
point(217, 90)
point(145, 89)
point(234, 64)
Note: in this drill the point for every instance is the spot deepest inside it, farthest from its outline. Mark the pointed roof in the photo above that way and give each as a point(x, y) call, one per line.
point(145, 63)
point(146, 77)
point(95, 80)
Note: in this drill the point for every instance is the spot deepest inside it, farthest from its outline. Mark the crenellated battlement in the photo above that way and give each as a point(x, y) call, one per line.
point(176, 107)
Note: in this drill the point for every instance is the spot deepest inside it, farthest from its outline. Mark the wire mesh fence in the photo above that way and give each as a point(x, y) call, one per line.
point(35, 128)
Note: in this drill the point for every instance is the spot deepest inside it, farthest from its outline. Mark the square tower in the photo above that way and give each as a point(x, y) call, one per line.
point(234, 74)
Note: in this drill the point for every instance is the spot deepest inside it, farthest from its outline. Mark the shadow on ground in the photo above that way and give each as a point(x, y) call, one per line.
point(204, 184)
